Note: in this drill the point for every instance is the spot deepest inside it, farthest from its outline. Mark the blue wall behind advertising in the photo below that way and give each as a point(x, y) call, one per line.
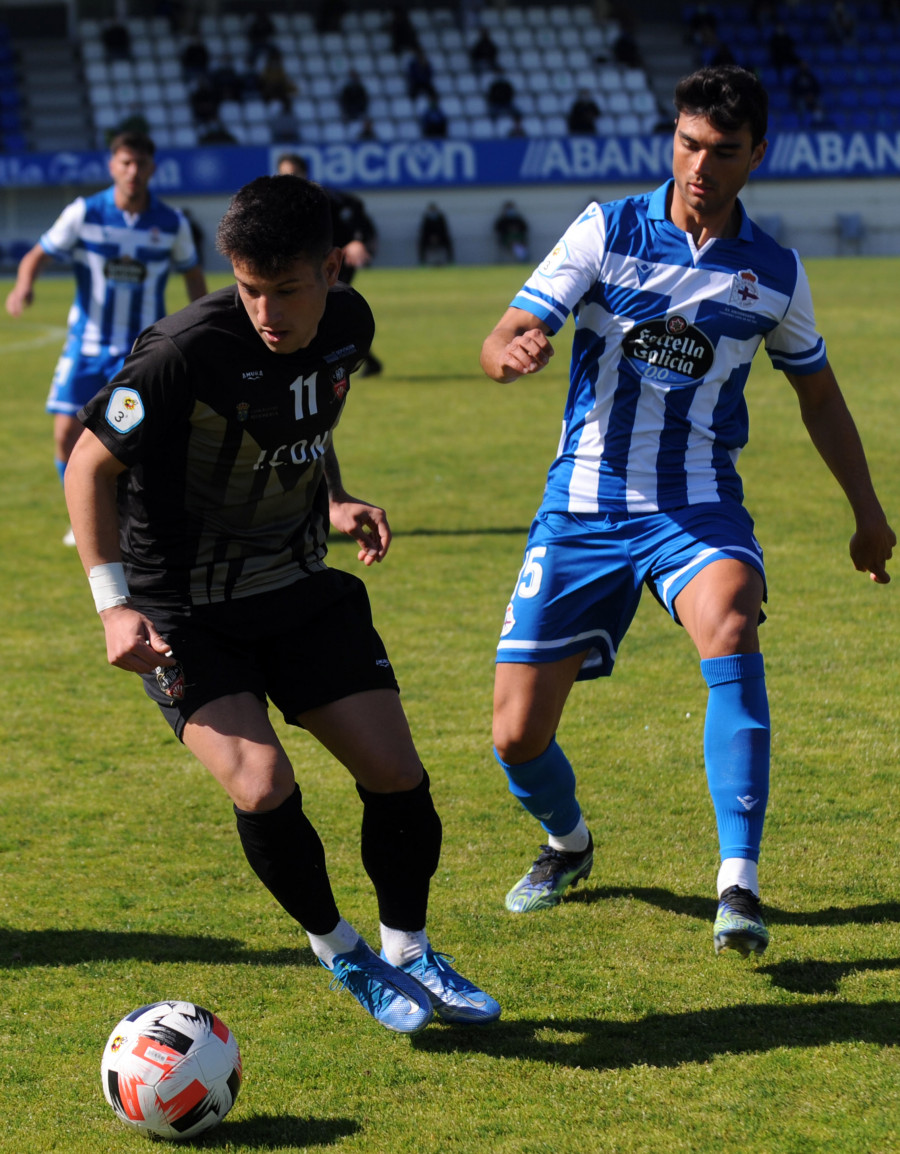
point(460, 164)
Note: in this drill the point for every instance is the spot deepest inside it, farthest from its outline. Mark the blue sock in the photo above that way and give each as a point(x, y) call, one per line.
point(60, 468)
point(736, 747)
point(546, 788)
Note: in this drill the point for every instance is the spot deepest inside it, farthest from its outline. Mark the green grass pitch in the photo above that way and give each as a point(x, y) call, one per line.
point(123, 881)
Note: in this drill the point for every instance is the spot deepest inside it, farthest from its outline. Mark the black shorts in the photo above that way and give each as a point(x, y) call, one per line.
point(302, 647)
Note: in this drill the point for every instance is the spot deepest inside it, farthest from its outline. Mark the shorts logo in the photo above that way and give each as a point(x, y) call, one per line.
point(509, 622)
point(745, 289)
point(125, 410)
point(671, 351)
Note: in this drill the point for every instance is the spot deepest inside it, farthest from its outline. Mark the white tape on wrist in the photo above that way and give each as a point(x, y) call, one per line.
point(108, 585)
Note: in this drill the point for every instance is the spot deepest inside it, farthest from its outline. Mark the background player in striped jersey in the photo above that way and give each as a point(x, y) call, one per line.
point(123, 243)
point(672, 292)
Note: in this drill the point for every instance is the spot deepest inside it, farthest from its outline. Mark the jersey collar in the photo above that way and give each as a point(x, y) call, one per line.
point(659, 198)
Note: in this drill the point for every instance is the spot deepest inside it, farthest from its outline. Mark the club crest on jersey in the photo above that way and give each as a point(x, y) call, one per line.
point(339, 382)
point(669, 350)
point(745, 289)
point(242, 411)
point(125, 410)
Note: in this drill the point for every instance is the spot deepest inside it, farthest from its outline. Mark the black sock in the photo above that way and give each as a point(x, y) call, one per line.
point(287, 856)
point(401, 847)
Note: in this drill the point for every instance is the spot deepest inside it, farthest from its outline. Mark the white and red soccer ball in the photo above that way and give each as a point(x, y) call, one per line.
point(172, 1070)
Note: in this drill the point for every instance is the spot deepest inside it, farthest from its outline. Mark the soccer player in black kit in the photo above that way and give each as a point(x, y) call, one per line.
point(201, 494)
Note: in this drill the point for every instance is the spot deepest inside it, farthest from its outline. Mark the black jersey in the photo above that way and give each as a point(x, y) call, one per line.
point(224, 494)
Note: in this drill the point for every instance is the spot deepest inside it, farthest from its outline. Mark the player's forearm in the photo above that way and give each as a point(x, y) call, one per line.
point(493, 358)
point(834, 434)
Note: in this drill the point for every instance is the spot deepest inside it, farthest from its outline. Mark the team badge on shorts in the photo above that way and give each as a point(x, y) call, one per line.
point(171, 681)
point(125, 410)
point(745, 289)
point(339, 382)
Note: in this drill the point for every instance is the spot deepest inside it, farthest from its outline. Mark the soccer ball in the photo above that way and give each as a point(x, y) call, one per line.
point(171, 1070)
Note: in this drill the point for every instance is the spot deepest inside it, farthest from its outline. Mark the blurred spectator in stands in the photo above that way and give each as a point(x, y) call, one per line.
point(715, 52)
point(483, 53)
point(782, 49)
point(329, 15)
point(583, 115)
point(354, 233)
point(764, 12)
point(500, 97)
point(841, 23)
point(367, 131)
point(260, 31)
point(434, 120)
point(205, 102)
point(195, 60)
point(226, 82)
point(806, 90)
point(419, 75)
point(116, 41)
point(274, 82)
point(215, 132)
point(354, 97)
point(511, 231)
point(625, 49)
point(517, 127)
point(283, 126)
point(701, 21)
point(435, 242)
point(403, 34)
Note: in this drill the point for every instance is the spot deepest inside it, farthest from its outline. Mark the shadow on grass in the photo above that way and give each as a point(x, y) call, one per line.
point(814, 977)
point(705, 907)
point(275, 1132)
point(667, 1040)
point(19, 948)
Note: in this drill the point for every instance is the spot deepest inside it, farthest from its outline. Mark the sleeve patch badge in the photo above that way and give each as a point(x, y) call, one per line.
point(554, 259)
point(125, 410)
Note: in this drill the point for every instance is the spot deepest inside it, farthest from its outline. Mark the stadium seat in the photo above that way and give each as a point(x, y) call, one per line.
point(627, 124)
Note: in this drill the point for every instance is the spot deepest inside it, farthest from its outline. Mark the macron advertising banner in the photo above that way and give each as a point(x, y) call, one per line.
point(436, 164)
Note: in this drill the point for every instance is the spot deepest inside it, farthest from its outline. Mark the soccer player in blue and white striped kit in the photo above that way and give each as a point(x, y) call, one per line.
point(672, 292)
point(123, 243)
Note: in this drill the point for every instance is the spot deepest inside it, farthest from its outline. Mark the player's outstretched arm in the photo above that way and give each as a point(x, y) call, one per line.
point(518, 345)
point(834, 434)
point(132, 642)
point(366, 524)
point(22, 293)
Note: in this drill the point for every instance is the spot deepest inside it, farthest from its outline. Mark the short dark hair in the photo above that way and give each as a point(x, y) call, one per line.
point(728, 96)
point(274, 221)
point(137, 141)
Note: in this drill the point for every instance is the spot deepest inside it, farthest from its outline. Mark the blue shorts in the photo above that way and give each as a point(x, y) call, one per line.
point(583, 574)
point(77, 377)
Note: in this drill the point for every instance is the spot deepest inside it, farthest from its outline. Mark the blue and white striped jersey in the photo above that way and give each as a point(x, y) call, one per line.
point(121, 265)
point(665, 333)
